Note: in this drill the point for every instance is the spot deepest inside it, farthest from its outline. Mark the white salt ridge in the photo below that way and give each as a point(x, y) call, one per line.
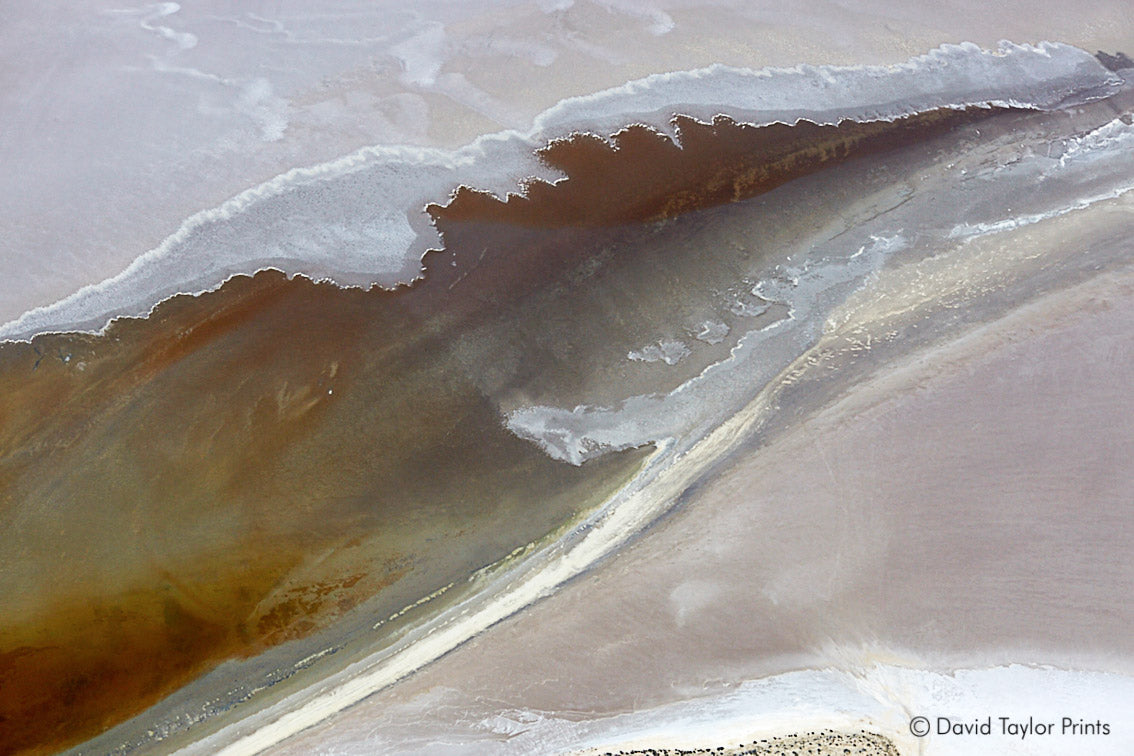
point(1040, 77)
point(358, 220)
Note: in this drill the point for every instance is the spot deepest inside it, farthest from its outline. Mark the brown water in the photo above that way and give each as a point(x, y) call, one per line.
point(245, 467)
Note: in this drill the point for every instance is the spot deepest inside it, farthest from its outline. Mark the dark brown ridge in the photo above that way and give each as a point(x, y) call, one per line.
point(165, 487)
point(641, 175)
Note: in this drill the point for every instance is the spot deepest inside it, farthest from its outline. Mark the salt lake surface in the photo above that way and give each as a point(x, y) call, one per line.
point(702, 424)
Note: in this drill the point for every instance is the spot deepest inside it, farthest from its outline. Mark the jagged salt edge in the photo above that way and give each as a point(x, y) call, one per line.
point(651, 101)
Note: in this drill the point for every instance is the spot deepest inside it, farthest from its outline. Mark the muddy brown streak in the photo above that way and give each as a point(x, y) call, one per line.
point(243, 468)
